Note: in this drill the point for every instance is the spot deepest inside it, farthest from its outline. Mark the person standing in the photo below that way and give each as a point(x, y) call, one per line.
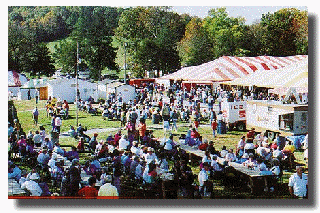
point(37, 96)
point(75, 177)
point(35, 115)
point(58, 123)
point(214, 127)
point(298, 184)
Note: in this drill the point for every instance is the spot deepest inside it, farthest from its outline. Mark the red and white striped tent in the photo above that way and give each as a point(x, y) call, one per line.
point(15, 81)
point(227, 68)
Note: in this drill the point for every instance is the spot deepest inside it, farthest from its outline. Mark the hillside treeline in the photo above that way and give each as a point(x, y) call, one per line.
point(154, 38)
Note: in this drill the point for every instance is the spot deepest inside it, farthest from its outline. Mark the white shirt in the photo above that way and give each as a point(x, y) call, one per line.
point(168, 145)
point(123, 143)
point(138, 171)
point(231, 157)
point(275, 170)
point(108, 190)
point(277, 153)
point(215, 166)
point(32, 187)
point(150, 157)
point(58, 121)
point(299, 184)
point(249, 146)
point(241, 143)
point(223, 153)
point(135, 150)
point(202, 177)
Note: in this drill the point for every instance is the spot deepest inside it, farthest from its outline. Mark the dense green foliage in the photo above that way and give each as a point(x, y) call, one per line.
point(155, 37)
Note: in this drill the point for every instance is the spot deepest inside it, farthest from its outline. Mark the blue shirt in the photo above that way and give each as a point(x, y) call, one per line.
point(16, 173)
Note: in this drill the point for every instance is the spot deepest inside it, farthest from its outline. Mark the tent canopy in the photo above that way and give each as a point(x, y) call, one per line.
point(291, 76)
point(228, 68)
point(16, 79)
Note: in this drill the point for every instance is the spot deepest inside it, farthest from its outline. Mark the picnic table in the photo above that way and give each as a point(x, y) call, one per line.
point(14, 188)
point(255, 177)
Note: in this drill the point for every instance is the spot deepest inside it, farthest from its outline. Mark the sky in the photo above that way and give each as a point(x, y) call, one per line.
point(250, 13)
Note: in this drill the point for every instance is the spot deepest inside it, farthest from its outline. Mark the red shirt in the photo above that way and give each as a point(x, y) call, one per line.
point(88, 191)
point(214, 125)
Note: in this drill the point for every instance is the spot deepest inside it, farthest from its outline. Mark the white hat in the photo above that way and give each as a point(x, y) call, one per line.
point(245, 155)
point(34, 176)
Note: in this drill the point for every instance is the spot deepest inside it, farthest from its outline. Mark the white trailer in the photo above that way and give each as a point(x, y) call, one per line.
point(234, 114)
point(287, 119)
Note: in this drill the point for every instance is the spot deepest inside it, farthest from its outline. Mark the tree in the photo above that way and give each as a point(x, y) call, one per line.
point(195, 48)
point(93, 30)
point(25, 54)
point(286, 32)
point(152, 34)
point(225, 32)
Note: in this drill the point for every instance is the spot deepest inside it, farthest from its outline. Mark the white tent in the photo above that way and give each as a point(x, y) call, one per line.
point(127, 92)
point(32, 85)
point(65, 89)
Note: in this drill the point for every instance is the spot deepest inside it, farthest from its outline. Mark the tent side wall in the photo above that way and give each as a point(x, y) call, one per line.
point(128, 93)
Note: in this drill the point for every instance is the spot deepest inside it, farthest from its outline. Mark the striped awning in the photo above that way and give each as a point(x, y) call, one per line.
point(228, 68)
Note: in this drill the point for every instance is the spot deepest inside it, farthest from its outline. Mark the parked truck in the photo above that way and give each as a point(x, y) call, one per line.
point(234, 114)
point(276, 117)
point(270, 116)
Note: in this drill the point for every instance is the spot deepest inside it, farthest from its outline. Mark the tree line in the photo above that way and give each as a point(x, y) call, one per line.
point(154, 38)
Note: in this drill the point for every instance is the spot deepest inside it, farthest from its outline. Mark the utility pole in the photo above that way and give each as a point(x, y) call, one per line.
point(125, 62)
point(77, 84)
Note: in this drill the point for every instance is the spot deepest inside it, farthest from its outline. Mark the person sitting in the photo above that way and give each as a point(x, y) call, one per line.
point(43, 157)
point(223, 152)
point(203, 146)
point(194, 134)
point(14, 172)
point(230, 156)
point(205, 186)
point(249, 146)
point(251, 133)
point(215, 167)
point(32, 185)
point(89, 191)
point(108, 190)
point(73, 154)
point(72, 132)
point(57, 149)
point(250, 163)
point(211, 148)
point(93, 142)
point(81, 145)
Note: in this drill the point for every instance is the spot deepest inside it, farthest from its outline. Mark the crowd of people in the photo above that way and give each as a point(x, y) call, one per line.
point(132, 157)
